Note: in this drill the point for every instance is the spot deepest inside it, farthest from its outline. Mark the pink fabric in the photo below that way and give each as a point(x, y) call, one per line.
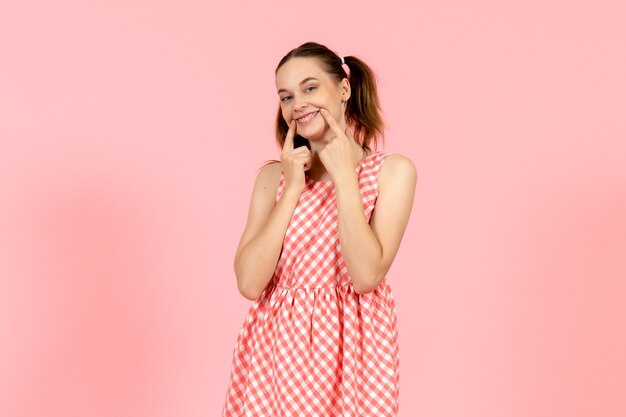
point(310, 346)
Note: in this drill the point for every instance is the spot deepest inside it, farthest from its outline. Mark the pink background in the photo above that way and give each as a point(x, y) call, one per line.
point(130, 136)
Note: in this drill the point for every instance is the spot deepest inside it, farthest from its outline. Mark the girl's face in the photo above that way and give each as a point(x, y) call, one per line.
point(303, 89)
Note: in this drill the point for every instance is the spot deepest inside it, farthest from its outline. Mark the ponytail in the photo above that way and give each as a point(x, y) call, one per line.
point(363, 111)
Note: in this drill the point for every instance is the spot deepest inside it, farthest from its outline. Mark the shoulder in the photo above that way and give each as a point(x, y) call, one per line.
point(397, 168)
point(268, 176)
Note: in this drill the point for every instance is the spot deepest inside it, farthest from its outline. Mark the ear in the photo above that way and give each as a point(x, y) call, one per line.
point(346, 91)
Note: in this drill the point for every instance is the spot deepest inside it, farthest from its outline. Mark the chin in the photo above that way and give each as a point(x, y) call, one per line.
point(310, 138)
point(315, 136)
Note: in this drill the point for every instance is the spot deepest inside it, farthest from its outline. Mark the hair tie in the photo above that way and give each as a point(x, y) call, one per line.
point(342, 61)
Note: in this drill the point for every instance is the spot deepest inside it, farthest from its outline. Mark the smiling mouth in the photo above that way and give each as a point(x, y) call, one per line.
point(308, 117)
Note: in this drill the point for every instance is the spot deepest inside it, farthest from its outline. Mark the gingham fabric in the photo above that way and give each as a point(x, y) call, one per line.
point(310, 346)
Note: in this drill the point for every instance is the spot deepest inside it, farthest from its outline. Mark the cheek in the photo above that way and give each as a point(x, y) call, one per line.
point(285, 110)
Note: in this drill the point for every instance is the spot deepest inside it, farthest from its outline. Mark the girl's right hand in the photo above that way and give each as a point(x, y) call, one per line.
point(294, 161)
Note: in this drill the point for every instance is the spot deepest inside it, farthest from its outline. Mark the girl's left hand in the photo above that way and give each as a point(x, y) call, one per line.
point(341, 153)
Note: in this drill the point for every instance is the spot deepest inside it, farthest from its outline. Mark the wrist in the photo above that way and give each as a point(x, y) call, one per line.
point(347, 179)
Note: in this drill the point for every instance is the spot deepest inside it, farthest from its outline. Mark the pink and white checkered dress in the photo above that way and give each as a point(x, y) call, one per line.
point(310, 346)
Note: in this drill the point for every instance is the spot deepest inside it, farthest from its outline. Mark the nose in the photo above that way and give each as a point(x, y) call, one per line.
point(298, 105)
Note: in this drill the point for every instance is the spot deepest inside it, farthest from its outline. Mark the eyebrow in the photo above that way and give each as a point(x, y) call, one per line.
point(301, 82)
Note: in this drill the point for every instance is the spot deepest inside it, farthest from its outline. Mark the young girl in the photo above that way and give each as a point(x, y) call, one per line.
point(324, 225)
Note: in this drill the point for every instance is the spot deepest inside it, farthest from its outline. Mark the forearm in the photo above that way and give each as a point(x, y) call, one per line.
point(257, 261)
point(361, 250)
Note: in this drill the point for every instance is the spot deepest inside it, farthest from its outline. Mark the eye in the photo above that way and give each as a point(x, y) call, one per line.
point(306, 89)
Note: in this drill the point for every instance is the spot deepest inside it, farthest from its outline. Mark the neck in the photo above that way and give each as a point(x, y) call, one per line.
point(317, 171)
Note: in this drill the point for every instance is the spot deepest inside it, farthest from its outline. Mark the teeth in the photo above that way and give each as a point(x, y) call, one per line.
point(307, 118)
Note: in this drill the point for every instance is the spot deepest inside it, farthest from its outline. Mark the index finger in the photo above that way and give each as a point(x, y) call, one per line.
point(331, 121)
point(288, 145)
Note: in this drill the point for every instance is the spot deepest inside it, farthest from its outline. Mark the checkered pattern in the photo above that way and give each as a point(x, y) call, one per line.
point(310, 346)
